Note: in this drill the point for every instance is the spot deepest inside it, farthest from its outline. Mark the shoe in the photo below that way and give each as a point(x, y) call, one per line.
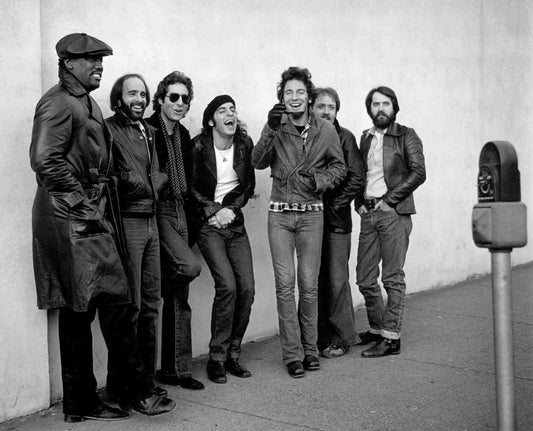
point(367, 338)
point(334, 351)
point(159, 391)
point(232, 365)
point(311, 363)
point(101, 413)
point(296, 369)
point(216, 371)
point(151, 406)
point(384, 348)
point(173, 379)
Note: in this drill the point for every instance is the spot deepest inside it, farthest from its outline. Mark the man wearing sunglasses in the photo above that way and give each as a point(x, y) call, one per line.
point(179, 265)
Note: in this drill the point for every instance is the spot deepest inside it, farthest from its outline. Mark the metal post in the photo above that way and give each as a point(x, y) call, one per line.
point(503, 338)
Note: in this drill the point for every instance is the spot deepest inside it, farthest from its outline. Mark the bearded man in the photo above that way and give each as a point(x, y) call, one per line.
point(394, 168)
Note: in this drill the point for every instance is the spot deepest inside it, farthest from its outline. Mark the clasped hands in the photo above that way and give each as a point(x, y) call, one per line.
point(222, 218)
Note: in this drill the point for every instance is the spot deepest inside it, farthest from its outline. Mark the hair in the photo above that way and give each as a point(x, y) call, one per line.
point(116, 91)
point(386, 91)
point(328, 91)
point(175, 77)
point(300, 74)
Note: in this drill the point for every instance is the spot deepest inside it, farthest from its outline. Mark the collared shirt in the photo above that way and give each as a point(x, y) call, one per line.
point(375, 177)
point(293, 206)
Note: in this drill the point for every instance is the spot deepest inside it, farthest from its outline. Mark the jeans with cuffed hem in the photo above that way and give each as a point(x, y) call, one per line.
point(384, 237)
point(299, 232)
point(336, 317)
point(179, 266)
point(228, 255)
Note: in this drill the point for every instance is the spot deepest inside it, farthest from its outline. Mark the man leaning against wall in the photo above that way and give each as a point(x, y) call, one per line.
point(76, 261)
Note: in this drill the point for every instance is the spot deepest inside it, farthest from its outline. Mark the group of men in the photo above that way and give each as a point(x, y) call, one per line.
point(120, 202)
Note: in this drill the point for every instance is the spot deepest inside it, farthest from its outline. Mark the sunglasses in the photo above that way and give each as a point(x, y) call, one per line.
point(174, 97)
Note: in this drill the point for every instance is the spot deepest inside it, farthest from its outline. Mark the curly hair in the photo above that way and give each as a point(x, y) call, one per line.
point(300, 74)
point(386, 91)
point(116, 91)
point(175, 77)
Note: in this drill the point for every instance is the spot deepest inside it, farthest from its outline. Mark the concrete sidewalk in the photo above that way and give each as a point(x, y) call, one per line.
point(443, 379)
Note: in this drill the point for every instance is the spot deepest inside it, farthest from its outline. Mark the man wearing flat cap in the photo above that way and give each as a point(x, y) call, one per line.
point(223, 180)
point(77, 249)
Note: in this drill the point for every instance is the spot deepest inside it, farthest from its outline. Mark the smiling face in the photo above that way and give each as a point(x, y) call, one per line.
point(88, 70)
point(174, 111)
point(134, 98)
point(296, 98)
point(224, 121)
point(325, 107)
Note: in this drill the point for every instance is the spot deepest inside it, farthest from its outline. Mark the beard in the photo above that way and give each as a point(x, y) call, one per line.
point(382, 120)
point(130, 113)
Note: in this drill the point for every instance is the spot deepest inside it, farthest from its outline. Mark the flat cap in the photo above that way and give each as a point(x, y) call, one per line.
point(81, 45)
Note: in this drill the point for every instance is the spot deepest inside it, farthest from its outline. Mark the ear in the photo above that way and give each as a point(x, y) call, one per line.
point(210, 122)
point(68, 63)
point(160, 101)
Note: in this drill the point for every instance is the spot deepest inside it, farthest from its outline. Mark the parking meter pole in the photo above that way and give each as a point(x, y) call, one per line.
point(503, 338)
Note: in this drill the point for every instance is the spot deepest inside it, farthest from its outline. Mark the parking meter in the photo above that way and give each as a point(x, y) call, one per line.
point(499, 220)
point(499, 223)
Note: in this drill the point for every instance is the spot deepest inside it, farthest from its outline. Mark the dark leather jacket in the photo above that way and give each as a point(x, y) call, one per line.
point(321, 161)
point(337, 211)
point(138, 183)
point(204, 176)
point(403, 165)
point(75, 257)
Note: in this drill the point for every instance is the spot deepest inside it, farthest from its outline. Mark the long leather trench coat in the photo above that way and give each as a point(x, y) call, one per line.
point(75, 255)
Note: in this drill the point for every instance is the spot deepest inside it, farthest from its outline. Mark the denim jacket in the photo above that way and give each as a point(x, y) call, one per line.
point(301, 170)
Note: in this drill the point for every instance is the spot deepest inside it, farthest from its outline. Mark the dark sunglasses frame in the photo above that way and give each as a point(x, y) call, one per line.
point(174, 97)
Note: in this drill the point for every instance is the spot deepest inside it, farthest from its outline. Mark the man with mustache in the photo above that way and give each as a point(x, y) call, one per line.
point(336, 320)
point(78, 267)
point(139, 179)
point(179, 265)
point(394, 169)
point(305, 159)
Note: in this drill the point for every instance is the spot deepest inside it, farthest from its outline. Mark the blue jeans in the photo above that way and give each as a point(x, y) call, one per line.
point(228, 255)
point(384, 237)
point(179, 266)
point(145, 271)
point(336, 318)
point(300, 232)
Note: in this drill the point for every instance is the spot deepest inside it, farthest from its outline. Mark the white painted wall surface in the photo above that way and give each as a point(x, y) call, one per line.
point(461, 71)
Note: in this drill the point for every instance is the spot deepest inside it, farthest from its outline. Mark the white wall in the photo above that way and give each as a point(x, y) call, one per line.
point(460, 69)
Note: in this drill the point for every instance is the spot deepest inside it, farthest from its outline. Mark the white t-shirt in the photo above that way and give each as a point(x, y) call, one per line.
point(227, 178)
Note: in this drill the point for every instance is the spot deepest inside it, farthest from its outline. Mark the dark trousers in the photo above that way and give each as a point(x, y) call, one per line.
point(75, 344)
point(229, 258)
point(143, 248)
point(336, 319)
point(76, 351)
point(179, 266)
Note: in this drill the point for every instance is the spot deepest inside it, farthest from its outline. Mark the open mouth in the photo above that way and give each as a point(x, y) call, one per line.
point(137, 108)
point(229, 122)
point(97, 75)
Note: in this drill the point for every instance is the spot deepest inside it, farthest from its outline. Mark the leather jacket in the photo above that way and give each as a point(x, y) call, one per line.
point(403, 166)
point(138, 184)
point(75, 255)
point(300, 173)
point(204, 176)
point(337, 211)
